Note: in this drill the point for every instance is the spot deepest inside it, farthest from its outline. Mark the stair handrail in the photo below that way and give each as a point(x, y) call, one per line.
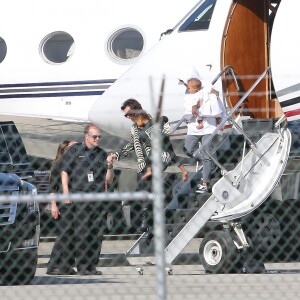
point(232, 111)
point(178, 124)
point(223, 71)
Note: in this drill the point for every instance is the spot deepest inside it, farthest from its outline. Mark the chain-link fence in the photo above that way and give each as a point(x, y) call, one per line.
point(193, 244)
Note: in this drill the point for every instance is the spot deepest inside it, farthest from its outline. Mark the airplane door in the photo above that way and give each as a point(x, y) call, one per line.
point(244, 47)
point(285, 63)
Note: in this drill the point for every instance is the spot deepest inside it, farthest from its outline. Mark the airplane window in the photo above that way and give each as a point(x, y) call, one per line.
point(57, 47)
point(125, 44)
point(201, 18)
point(3, 49)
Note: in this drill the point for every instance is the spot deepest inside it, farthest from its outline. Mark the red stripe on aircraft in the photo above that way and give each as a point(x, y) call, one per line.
point(292, 113)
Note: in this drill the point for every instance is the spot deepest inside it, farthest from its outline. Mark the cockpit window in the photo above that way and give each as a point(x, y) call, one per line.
point(201, 18)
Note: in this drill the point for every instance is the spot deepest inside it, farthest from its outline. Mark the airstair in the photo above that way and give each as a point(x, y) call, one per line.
point(239, 192)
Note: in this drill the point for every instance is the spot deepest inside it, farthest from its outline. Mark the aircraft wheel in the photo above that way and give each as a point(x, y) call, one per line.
point(274, 231)
point(113, 219)
point(218, 253)
point(266, 231)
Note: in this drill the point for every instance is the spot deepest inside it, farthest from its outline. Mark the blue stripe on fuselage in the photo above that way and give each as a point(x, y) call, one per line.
point(60, 94)
point(55, 89)
point(35, 84)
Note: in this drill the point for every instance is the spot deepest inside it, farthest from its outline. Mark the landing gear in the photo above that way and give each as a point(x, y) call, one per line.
point(274, 231)
point(265, 232)
point(218, 253)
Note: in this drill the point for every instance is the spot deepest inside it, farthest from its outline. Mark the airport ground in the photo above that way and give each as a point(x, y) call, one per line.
point(120, 279)
point(41, 138)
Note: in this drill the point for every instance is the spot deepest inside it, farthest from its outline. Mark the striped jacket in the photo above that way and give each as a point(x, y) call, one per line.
point(143, 150)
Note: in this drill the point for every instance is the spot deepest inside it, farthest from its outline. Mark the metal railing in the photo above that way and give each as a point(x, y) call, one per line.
point(229, 117)
point(227, 69)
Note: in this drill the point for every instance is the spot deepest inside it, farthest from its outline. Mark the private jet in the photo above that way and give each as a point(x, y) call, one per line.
point(248, 50)
point(229, 43)
point(57, 57)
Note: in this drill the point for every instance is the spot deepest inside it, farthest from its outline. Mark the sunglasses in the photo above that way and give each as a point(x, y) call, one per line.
point(128, 115)
point(95, 136)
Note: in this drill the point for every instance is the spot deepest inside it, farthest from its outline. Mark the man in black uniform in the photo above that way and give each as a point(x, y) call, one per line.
point(86, 168)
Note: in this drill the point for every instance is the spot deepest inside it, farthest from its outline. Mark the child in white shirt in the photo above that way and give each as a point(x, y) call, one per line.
point(193, 100)
point(203, 114)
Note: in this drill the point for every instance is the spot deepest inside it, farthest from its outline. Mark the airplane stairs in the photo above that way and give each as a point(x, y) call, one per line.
point(236, 194)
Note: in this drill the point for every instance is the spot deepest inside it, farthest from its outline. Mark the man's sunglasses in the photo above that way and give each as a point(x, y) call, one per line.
point(95, 136)
point(128, 115)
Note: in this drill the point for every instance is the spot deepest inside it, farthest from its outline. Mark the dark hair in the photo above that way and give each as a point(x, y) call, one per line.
point(139, 113)
point(61, 149)
point(132, 103)
point(197, 82)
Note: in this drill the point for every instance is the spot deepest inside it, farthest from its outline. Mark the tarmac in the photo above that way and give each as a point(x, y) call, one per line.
point(121, 279)
point(42, 136)
point(114, 248)
point(124, 282)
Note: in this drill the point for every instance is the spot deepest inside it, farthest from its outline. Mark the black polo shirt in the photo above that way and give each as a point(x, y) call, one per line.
point(86, 168)
point(55, 178)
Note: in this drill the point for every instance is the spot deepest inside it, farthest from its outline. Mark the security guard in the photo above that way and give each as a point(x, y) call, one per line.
point(86, 168)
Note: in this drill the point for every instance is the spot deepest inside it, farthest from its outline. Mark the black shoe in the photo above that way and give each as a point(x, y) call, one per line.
point(57, 271)
point(90, 272)
point(147, 222)
point(71, 272)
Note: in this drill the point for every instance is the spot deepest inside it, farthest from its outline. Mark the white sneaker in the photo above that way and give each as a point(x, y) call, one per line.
point(201, 189)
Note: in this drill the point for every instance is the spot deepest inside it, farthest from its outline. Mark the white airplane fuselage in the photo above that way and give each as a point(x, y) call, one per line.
point(248, 35)
point(57, 57)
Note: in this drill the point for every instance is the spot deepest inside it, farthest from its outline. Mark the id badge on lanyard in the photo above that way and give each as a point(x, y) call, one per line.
point(90, 176)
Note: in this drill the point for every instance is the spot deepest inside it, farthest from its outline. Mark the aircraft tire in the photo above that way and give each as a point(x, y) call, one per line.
point(218, 253)
point(275, 231)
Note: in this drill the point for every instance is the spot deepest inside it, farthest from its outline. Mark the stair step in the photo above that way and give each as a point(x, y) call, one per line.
point(179, 215)
point(199, 200)
point(184, 201)
point(172, 230)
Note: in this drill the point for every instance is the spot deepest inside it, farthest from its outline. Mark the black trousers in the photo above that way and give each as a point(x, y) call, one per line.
point(79, 239)
point(146, 214)
point(89, 234)
point(63, 252)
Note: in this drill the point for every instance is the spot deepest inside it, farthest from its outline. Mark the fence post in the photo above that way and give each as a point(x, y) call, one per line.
point(158, 210)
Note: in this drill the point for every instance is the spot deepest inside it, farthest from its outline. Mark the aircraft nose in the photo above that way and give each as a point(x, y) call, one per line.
point(106, 114)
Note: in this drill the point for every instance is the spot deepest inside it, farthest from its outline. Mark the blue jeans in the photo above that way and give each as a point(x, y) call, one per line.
point(191, 144)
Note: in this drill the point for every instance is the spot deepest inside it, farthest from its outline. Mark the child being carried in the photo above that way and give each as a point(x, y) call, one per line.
point(201, 102)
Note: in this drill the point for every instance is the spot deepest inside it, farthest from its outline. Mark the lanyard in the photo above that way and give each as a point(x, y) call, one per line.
point(88, 158)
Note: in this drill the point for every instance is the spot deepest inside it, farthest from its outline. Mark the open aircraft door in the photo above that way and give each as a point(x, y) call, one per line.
point(245, 47)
